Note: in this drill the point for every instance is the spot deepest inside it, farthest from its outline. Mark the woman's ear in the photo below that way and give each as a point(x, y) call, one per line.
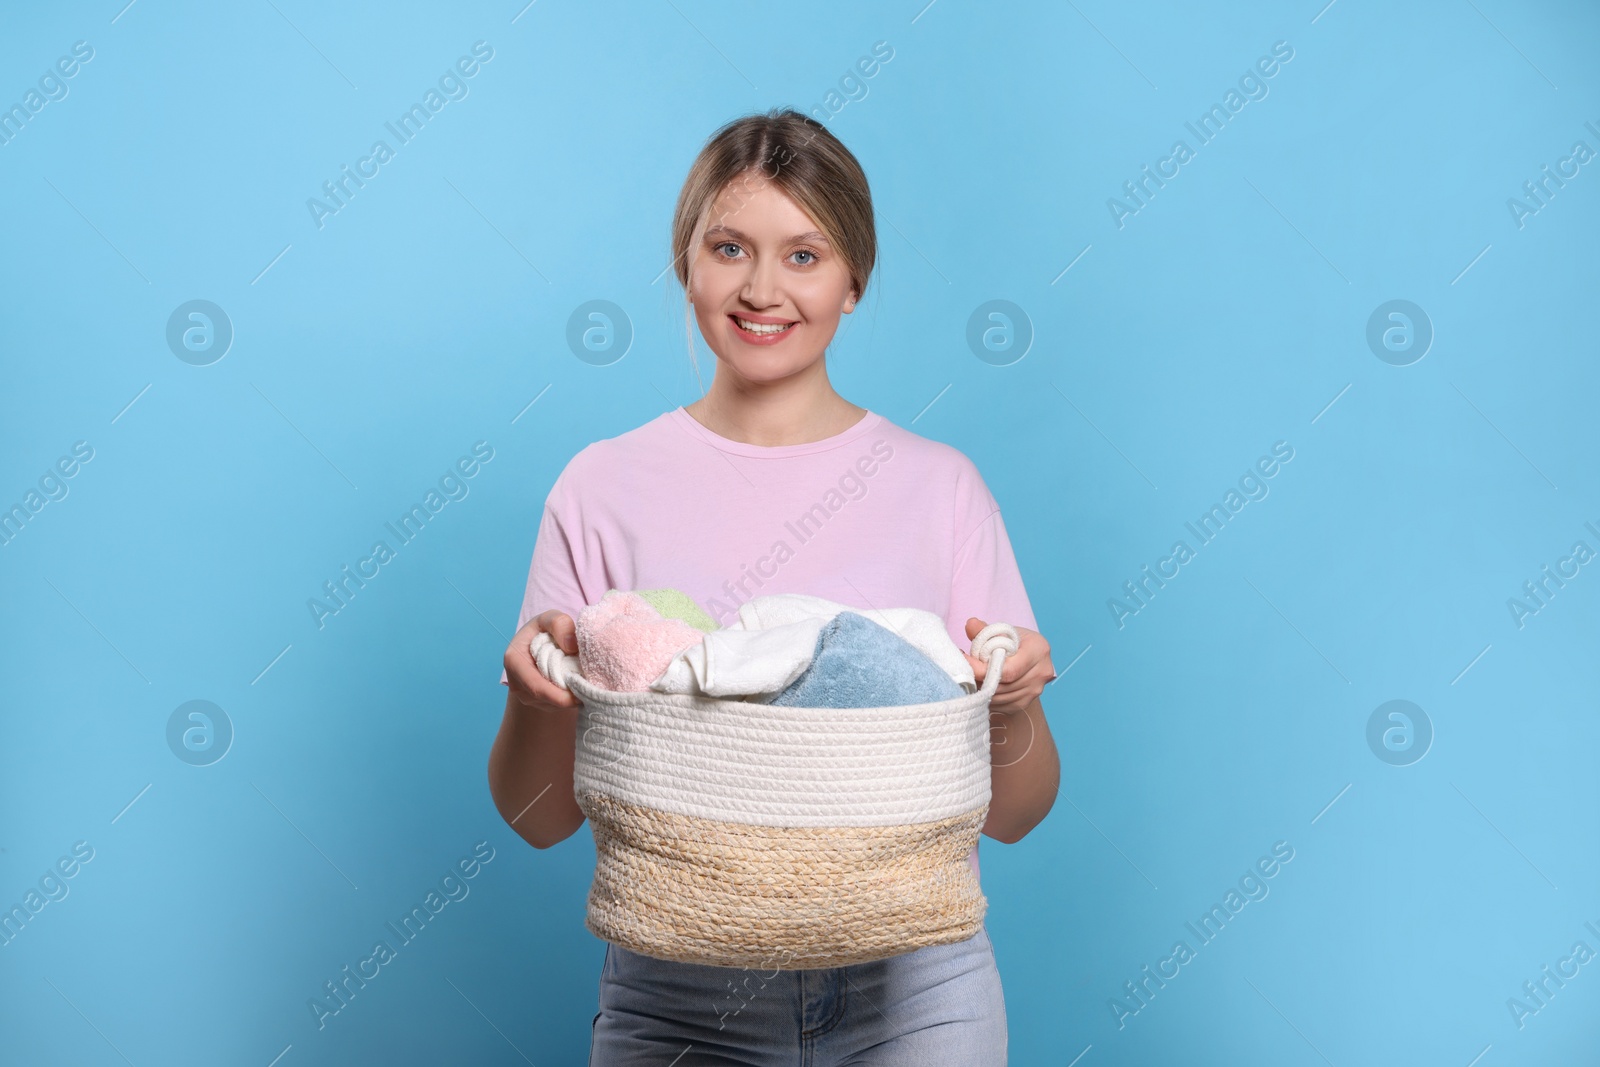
point(850, 302)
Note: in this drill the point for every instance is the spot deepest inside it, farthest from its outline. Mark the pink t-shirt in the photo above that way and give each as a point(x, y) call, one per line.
point(873, 517)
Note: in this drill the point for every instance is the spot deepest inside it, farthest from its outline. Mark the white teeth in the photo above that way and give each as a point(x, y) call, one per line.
point(761, 327)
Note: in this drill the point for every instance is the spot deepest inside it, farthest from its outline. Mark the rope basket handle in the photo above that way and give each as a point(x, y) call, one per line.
point(994, 643)
point(552, 662)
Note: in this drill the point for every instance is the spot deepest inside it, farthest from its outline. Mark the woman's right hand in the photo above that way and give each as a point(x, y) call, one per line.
point(533, 754)
point(528, 685)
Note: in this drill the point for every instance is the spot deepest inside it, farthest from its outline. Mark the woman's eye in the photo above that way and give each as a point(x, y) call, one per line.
point(721, 249)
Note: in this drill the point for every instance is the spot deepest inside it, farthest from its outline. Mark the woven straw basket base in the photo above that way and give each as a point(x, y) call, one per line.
point(682, 888)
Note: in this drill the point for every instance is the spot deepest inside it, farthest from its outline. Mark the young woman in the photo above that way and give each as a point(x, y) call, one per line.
point(774, 483)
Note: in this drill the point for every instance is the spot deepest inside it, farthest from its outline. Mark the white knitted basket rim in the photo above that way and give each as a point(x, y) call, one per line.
point(994, 642)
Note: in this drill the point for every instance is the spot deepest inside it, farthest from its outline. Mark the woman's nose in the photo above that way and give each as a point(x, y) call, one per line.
point(761, 285)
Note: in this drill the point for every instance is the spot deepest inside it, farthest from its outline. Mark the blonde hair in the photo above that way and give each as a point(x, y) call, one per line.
point(806, 162)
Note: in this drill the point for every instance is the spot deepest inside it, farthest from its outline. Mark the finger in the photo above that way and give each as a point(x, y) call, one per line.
point(1039, 672)
point(1026, 661)
point(564, 632)
point(526, 682)
point(1015, 673)
point(1021, 691)
point(542, 692)
point(553, 694)
point(559, 625)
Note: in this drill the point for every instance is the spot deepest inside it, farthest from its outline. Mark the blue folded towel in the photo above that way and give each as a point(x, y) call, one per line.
point(860, 664)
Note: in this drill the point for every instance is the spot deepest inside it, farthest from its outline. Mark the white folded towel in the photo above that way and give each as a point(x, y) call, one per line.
point(736, 662)
point(775, 638)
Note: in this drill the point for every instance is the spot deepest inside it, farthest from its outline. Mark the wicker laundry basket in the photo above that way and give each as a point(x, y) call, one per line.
point(739, 834)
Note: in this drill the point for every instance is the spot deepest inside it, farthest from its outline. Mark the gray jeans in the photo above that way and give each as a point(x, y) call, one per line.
point(934, 1006)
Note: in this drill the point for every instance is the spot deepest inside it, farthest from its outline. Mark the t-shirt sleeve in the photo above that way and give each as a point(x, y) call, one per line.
point(986, 582)
point(553, 580)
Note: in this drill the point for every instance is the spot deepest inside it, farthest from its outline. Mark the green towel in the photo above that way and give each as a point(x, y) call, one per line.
point(672, 604)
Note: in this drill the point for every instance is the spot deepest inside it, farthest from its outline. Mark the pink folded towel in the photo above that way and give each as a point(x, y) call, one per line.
point(624, 644)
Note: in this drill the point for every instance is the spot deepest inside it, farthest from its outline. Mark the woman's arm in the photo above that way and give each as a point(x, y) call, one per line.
point(530, 765)
point(1024, 768)
point(1024, 772)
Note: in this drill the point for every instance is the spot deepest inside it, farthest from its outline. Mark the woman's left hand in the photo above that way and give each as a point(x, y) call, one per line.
point(1024, 674)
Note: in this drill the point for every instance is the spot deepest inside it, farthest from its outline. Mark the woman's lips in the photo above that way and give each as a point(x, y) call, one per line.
point(768, 336)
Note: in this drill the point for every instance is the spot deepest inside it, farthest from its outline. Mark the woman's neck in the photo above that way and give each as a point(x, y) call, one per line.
point(773, 418)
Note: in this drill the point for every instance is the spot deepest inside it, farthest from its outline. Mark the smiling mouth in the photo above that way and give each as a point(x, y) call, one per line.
point(761, 329)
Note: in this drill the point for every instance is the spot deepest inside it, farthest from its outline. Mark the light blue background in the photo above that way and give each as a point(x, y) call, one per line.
point(1228, 314)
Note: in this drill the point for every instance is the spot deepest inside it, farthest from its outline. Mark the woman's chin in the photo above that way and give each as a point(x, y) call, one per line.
point(759, 371)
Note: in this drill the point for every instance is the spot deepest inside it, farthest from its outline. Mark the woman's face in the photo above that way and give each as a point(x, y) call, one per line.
point(763, 262)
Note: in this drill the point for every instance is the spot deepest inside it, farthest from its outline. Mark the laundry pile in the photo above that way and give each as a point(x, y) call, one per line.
point(786, 649)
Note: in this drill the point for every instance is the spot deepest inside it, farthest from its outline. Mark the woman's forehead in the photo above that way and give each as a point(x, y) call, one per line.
point(746, 211)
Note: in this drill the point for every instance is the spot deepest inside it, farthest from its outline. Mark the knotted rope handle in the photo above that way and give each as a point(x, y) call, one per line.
point(552, 662)
point(994, 643)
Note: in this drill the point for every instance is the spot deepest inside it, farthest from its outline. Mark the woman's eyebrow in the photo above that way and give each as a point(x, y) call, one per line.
point(721, 230)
